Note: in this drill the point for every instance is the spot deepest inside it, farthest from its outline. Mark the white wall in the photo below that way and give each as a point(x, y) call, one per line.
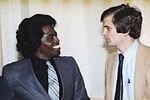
point(79, 30)
point(9, 18)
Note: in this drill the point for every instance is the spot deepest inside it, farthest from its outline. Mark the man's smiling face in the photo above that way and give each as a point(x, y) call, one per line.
point(50, 43)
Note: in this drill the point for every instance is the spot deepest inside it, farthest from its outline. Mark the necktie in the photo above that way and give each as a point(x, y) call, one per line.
point(53, 85)
point(119, 85)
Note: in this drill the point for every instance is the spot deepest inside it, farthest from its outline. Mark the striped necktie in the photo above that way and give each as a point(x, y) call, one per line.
point(53, 85)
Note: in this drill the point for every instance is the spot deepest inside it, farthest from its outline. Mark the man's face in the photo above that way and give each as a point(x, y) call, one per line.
point(50, 43)
point(109, 32)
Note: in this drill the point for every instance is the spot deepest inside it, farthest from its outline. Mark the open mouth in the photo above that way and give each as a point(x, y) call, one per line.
point(56, 47)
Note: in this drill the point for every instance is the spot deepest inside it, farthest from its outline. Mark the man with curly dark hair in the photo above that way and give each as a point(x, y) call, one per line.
point(127, 74)
point(27, 79)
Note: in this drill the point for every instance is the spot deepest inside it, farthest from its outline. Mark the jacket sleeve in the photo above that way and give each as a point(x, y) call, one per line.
point(6, 92)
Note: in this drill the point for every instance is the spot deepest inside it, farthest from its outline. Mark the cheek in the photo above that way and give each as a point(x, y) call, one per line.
point(113, 34)
point(117, 39)
point(49, 44)
point(45, 48)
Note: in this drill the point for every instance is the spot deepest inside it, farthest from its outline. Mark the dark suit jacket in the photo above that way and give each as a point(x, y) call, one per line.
point(20, 83)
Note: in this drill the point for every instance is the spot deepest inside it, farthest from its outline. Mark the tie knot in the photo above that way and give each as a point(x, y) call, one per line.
point(48, 63)
point(121, 57)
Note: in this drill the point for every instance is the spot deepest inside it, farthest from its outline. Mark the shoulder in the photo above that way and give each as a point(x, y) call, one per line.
point(65, 59)
point(143, 54)
point(144, 50)
point(111, 56)
point(141, 45)
point(16, 64)
point(13, 67)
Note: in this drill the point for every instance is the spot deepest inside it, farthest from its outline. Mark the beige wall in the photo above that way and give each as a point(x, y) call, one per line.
point(79, 30)
point(1, 64)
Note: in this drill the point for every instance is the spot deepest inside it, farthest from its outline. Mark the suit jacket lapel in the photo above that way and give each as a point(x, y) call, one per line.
point(28, 80)
point(63, 71)
point(60, 70)
point(111, 75)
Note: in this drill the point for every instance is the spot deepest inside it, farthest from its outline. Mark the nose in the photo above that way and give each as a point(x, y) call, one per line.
point(56, 39)
point(104, 32)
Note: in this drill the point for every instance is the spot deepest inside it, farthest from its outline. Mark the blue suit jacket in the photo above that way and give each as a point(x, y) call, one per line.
point(20, 83)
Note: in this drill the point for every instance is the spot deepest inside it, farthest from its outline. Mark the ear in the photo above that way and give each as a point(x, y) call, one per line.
point(126, 34)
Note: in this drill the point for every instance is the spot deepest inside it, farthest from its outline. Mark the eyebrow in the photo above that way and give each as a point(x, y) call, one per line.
point(106, 26)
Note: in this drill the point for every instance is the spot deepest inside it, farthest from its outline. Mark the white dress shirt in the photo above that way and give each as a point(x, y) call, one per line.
point(128, 72)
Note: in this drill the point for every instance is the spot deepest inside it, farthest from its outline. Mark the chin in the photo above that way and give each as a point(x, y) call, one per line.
point(109, 44)
point(56, 54)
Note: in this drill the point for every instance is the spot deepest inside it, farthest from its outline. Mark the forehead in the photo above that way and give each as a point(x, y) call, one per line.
point(108, 20)
point(48, 29)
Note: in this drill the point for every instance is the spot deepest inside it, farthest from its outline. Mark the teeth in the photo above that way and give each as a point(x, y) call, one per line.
point(56, 46)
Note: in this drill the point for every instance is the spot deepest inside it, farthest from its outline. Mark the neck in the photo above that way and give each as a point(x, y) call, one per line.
point(125, 45)
point(41, 56)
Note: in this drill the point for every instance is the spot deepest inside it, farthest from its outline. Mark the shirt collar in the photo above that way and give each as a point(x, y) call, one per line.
point(38, 64)
point(131, 51)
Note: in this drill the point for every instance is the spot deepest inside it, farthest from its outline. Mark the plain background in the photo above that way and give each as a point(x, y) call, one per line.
point(79, 31)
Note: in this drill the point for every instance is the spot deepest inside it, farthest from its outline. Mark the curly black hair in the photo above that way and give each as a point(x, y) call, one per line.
point(126, 19)
point(29, 33)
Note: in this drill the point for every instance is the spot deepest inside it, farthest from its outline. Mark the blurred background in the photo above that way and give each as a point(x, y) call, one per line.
point(79, 30)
